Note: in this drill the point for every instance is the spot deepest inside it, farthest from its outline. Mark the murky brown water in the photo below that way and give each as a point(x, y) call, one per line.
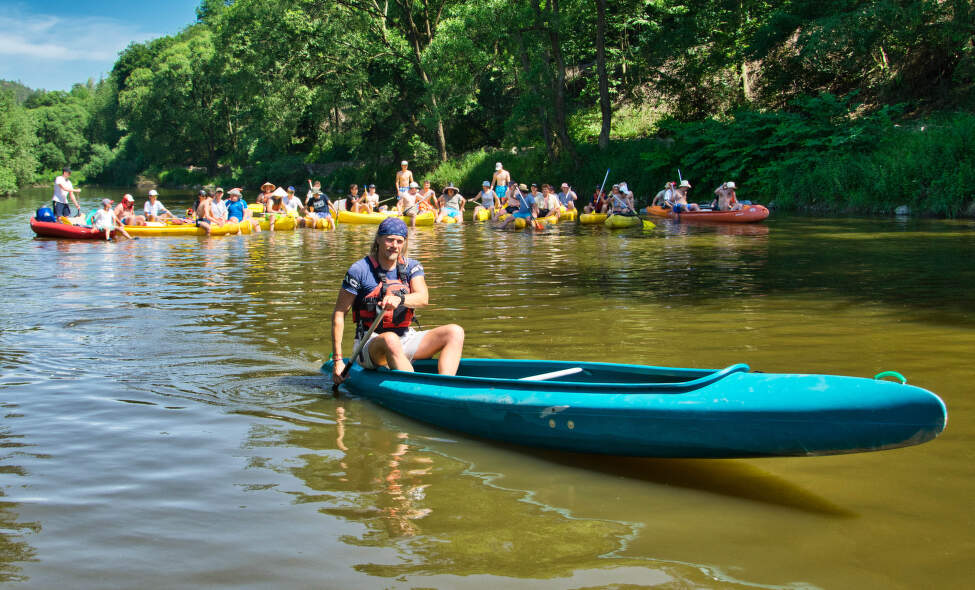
point(164, 423)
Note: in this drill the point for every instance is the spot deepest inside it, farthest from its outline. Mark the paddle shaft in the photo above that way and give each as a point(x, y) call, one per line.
point(362, 343)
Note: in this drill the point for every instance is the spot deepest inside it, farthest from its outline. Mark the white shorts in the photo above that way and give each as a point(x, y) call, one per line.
point(410, 341)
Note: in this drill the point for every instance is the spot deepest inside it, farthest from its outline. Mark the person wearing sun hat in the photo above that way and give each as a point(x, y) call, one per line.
point(727, 199)
point(388, 282)
point(680, 198)
point(451, 204)
point(404, 178)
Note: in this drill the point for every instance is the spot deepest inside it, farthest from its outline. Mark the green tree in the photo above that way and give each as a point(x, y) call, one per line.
point(17, 140)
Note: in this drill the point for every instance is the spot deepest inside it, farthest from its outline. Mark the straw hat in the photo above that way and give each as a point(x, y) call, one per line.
point(267, 184)
point(685, 184)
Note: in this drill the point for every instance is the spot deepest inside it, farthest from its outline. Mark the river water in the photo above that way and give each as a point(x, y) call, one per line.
point(165, 424)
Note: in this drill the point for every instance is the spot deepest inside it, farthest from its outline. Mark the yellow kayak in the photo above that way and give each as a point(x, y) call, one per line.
point(375, 218)
point(522, 223)
point(621, 221)
point(592, 218)
point(186, 229)
point(569, 215)
point(281, 223)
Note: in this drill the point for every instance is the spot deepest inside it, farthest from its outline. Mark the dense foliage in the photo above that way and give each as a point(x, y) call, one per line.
point(344, 89)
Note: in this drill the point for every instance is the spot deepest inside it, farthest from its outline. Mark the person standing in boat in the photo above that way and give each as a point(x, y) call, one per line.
point(500, 181)
point(62, 190)
point(388, 282)
point(404, 178)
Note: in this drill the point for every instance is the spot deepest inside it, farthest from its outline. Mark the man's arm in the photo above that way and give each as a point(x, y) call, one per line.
point(343, 303)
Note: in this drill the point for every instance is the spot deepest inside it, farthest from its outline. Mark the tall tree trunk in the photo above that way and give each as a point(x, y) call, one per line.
point(414, 34)
point(604, 105)
point(558, 84)
point(542, 113)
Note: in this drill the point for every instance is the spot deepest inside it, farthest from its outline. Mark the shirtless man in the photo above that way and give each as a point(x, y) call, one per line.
point(665, 197)
point(125, 211)
point(500, 180)
point(404, 178)
point(680, 198)
point(204, 214)
point(727, 199)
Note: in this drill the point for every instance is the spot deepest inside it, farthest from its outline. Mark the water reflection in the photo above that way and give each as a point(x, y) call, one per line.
point(14, 548)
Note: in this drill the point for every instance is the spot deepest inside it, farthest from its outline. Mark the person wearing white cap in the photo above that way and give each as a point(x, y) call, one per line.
point(403, 178)
point(154, 209)
point(407, 204)
point(680, 198)
point(500, 180)
point(727, 199)
point(567, 197)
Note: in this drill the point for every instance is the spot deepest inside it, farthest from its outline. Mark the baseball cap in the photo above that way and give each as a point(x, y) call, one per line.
point(234, 191)
point(498, 166)
point(128, 197)
point(730, 184)
point(291, 189)
point(485, 183)
point(414, 185)
point(392, 226)
point(153, 193)
point(219, 190)
point(107, 201)
point(404, 163)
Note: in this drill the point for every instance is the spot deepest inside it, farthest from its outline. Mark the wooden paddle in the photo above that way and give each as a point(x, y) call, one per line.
point(358, 348)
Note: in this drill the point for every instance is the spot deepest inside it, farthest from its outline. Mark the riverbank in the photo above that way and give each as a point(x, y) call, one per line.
point(817, 159)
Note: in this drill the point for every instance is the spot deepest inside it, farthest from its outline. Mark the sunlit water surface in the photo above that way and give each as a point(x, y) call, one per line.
point(165, 425)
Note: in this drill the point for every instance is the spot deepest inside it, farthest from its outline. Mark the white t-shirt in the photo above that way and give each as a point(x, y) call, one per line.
point(219, 209)
point(154, 209)
point(104, 219)
point(292, 203)
point(62, 188)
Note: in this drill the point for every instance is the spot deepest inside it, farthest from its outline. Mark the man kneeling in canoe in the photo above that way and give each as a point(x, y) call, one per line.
point(392, 283)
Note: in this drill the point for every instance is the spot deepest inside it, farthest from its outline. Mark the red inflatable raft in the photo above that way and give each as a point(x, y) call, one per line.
point(48, 229)
point(747, 214)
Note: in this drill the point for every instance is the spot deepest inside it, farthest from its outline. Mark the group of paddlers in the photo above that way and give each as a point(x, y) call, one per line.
point(674, 197)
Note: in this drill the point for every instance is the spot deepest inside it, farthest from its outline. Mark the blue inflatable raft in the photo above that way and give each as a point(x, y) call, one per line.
point(648, 411)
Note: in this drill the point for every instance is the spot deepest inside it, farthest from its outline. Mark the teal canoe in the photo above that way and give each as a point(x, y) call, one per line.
point(646, 411)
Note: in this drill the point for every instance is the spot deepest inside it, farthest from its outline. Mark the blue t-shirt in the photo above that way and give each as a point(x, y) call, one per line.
point(359, 279)
point(525, 202)
point(236, 209)
point(565, 199)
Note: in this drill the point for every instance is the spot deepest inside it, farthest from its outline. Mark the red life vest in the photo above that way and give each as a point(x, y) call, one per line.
point(365, 306)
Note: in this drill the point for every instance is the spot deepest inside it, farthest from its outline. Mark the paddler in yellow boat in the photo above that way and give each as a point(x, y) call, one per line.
point(204, 214)
point(154, 210)
point(567, 197)
point(293, 207)
point(274, 207)
point(318, 206)
point(548, 203)
point(387, 282)
point(238, 212)
point(487, 200)
point(527, 210)
point(599, 203)
point(427, 198)
point(451, 204)
point(407, 204)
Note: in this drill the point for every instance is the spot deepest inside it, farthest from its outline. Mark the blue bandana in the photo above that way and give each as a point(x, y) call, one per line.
point(392, 226)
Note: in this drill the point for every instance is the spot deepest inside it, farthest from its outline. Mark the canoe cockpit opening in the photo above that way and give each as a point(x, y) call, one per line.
point(577, 372)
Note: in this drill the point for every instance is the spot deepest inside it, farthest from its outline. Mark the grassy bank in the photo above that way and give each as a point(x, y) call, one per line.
point(816, 157)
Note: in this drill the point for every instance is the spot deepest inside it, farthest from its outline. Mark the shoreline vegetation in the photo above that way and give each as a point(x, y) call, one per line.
point(859, 107)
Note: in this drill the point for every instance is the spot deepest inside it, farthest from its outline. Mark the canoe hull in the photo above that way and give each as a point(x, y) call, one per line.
point(736, 414)
point(592, 218)
point(425, 218)
point(747, 214)
point(47, 229)
point(621, 221)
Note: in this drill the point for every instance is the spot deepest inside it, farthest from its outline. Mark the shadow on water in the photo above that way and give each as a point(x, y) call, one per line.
point(13, 548)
